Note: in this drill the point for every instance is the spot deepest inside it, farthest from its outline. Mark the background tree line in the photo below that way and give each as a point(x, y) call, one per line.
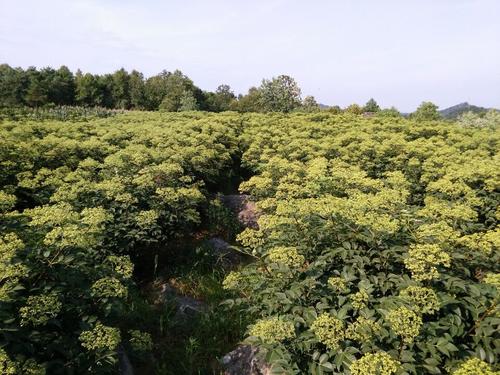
point(167, 91)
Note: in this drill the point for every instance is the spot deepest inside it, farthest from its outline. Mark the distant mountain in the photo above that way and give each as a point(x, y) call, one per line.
point(457, 110)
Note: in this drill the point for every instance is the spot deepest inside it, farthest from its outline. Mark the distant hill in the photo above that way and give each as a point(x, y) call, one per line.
point(456, 110)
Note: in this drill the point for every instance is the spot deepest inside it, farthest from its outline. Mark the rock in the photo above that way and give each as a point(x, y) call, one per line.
point(245, 360)
point(124, 362)
point(225, 255)
point(186, 307)
point(244, 209)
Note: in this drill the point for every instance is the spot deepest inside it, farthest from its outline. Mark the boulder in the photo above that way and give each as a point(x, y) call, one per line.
point(186, 307)
point(226, 256)
point(245, 360)
point(125, 367)
point(244, 209)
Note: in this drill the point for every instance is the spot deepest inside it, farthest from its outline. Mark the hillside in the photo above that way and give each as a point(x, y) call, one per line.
point(455, 111)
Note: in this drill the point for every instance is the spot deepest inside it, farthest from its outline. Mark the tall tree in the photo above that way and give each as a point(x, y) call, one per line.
point(427, 111)
point(371, 106)
point(280, 94)
point(251, 102)
point(188, 102)
point(121, 89)
point(354, 109)
point(173, 87)
point(335, 109)
point(36, 94)
point(61, 87)
point(309, 104)
point(137, 91)
point(13, 86)
point(88, 91)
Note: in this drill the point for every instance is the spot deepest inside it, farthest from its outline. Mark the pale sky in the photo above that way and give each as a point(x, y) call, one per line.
point(401, 52)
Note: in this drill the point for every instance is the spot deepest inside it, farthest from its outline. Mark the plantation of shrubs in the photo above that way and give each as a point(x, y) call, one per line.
point(376, 252)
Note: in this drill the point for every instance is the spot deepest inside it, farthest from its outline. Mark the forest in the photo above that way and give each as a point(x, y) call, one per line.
point(375, 247)
point(48, 88)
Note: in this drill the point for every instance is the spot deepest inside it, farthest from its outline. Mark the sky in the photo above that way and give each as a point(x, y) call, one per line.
point(400, 52)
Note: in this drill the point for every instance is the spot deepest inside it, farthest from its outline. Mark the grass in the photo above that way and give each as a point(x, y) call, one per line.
point(193, 345)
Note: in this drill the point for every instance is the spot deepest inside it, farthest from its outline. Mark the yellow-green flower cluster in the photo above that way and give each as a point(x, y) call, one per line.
point(30, 367)
point(10, 270)
point(95, 217)
point(140, 341)
point(232, 280)
point(439, 232)
point(7, 201)
point(251, 238)
point(423, 300)
point(40, 309)
point(100, 337)
point(329, 330)
point(485, 242)
point(147, 218)
point(423, 259)
point(493, 279)
point(70, 235)
point(475, 366)
point(109, 287)
point(359, 299)
point(286, 255)
point(362, 329)
point(122, 265)
point(272, 330)
point(338, 284)
point(379, 363)
point(405, 323)
point(7, 366)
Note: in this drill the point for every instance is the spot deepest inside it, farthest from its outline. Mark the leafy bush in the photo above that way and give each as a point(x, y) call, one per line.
point(78, 200)
point(394, 229)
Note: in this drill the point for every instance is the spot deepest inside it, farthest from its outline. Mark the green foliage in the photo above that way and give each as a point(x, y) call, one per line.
point(140, 341)
point(309, 104)
point(427, 111)
point(378, 238)
point(371, 106)
point(354, 109)
point(280, 94)
point(272, 330)
point(397, 223)
point(77, 201)
point(473, 120)
point(375, 364)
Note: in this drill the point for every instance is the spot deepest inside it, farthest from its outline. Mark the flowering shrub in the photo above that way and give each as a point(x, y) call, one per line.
point(359, 299)
point(140, 341)
point(363, 329)
point(6, 365)
point(100, 337)
point(423, 300)
point(387, 225)
point(272, 330)
point(286, 255)
point(375, 364)
point(232, 280)
point(405, 323)
point(474, 366)
point(329, 330)
point(338, 284)
point(423, 259)
point(40, 309)
point(108, 287)
point(78, 200)
point(397, 222)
